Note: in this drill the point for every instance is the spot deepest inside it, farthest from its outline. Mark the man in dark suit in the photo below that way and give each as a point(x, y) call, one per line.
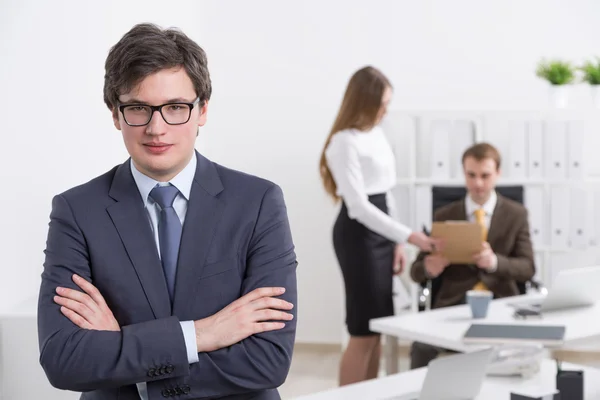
point(506, 256)
point(169, 275)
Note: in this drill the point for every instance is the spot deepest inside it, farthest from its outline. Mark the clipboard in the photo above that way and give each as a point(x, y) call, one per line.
point(461, 239)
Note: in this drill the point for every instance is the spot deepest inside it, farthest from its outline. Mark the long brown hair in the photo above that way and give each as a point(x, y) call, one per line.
point(359, 110)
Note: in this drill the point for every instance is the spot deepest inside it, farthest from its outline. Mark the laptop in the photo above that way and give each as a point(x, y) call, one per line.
point(571, 288)
point(454, 377)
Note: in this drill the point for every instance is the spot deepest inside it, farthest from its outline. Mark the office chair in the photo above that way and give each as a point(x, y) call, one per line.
point(443, 195)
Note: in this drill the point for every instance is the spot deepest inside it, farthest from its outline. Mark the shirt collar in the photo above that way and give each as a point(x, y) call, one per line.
point(488, 206)
point(182, 181)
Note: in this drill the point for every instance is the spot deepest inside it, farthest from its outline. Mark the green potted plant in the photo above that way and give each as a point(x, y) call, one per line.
point(559, 74)
point(591, 75)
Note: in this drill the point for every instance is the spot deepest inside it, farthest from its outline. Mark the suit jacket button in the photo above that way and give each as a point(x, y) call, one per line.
point(170, 369)
point(163, 370)
point(166, 393)
point(186, 389)
point(151, 372)
point(178, 390)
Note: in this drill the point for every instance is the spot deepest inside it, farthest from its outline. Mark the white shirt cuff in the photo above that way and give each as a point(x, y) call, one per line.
point(189, 335)
point(494, 266)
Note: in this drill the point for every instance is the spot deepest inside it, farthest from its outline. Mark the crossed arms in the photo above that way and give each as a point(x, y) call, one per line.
point(244, 347)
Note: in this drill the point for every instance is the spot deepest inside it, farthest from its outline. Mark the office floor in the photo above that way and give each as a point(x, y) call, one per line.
point(315, 368)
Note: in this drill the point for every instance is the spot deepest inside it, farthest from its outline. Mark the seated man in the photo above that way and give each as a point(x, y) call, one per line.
point(507, 253)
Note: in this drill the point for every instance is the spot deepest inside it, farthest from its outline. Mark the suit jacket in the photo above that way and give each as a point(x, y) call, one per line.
point(236, 238)
point(508, 236)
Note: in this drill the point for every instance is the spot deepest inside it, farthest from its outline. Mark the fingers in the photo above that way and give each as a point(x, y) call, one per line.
point(257, 294)
point(77, 296)
point(433, 245)
point(481, 254)
point(272, 315)
point(267, 326)
point(433, 272)
point(90, 289)
point(271, 303)
point(75, 318)
point(436, 244)
point(75, 306)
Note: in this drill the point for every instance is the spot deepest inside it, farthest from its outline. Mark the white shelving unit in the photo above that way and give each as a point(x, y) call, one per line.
point(548, 152)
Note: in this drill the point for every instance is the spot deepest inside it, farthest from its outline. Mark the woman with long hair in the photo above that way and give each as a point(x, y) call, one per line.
point(358, 167)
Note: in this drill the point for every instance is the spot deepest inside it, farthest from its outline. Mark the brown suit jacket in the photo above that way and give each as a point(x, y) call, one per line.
point(508, 237)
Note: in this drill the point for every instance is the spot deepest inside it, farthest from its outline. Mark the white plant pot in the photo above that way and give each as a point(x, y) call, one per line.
point(559, 96)
point(595, 95)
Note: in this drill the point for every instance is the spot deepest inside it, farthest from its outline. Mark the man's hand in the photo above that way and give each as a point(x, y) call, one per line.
point(486, 258)
point(245, 317)
point(86, 310)
point(399, 259)
point(435, 264)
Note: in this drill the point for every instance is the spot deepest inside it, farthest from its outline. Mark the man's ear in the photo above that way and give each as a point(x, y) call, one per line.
point(203, 112)
point(115, 116)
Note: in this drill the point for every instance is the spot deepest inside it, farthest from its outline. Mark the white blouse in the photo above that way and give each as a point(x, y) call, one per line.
point(362, 164)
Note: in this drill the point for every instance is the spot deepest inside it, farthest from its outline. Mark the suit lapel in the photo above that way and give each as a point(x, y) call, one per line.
point(131, 221)
point(201, 220)
point(461, 211)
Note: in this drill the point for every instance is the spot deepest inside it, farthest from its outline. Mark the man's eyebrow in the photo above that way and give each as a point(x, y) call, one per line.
point(174, 100)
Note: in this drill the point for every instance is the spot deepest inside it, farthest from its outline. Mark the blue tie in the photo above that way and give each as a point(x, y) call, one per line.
point(169, 232)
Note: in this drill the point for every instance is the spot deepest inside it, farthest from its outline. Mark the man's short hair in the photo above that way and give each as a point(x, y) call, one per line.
point(147, 49)
point(482, 151)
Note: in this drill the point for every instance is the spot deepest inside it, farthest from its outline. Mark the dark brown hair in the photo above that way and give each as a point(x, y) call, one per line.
point(147, 49)
point(481, 151)
point(359, 110)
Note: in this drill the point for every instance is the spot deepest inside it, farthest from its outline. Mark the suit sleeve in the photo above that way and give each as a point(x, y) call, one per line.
point(519, 265)
point(261, 361)
point(80, 359)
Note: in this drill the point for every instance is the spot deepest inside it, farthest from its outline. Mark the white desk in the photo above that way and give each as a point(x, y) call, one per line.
point(445, 327)
point(493, 388)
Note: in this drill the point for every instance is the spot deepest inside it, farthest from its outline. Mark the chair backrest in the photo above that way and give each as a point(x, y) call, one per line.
point(443, 195)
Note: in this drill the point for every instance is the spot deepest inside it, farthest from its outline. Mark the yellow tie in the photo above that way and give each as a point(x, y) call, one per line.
point(480, 218)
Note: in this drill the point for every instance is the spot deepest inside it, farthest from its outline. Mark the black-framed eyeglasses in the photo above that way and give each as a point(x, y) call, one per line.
point(175, 113)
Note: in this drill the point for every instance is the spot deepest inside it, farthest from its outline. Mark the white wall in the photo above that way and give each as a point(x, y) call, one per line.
point(279, 70)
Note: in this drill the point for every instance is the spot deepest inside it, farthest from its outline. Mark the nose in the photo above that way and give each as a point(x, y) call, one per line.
point(157, 125)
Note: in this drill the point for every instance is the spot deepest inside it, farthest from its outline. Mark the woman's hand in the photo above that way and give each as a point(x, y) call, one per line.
point(399, 259)
point(424, 242)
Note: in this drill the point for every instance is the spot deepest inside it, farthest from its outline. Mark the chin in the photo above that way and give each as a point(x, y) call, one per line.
point(158, 166)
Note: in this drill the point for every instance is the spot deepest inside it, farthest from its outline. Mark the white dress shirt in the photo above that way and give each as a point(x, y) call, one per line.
point(488, 207)
point(183, 182)
point(362, 164)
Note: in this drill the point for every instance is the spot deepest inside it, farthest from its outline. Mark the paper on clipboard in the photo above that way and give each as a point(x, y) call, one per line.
point(461, 239)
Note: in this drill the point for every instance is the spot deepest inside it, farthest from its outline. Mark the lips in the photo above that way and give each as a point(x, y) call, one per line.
point(156, 144)
point(157, 148)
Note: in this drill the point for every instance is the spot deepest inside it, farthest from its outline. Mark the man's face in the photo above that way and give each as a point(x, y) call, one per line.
point(481, 177)
point(160, 150)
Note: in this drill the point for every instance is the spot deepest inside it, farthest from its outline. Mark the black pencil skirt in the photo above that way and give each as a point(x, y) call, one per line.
point(366, 260)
